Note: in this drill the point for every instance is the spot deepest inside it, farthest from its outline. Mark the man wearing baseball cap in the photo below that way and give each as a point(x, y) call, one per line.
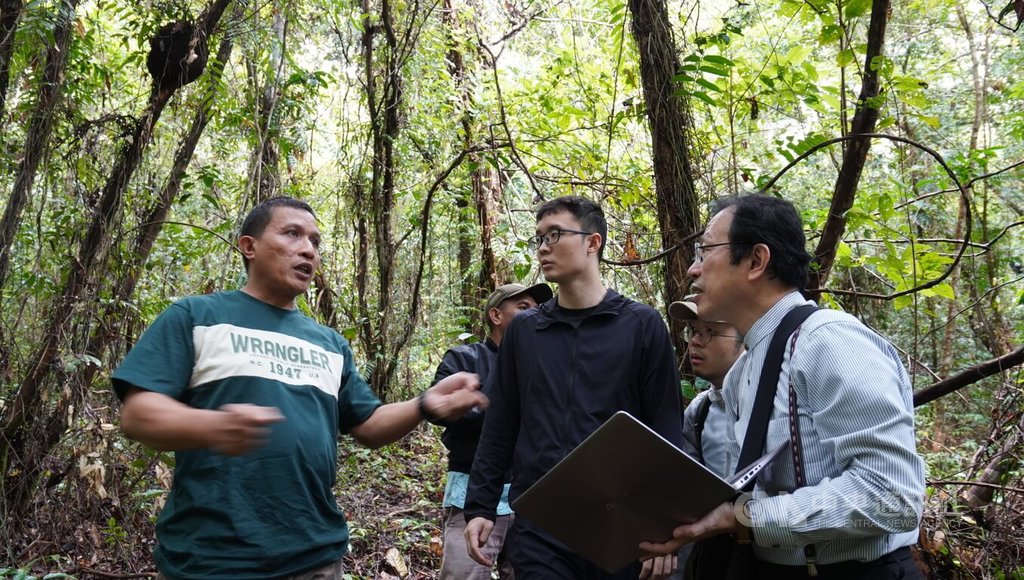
point(713, 347)
point(462, 436)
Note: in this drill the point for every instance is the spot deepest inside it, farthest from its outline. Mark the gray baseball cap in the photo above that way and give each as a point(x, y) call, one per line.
point(541, 293)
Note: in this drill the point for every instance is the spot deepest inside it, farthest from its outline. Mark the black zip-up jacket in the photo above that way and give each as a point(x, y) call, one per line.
point(462, 435)
point(559, 376)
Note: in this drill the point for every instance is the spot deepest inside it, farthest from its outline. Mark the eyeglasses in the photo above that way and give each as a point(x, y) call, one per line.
point(551, 237)
point(699, 251)
point(705, 335)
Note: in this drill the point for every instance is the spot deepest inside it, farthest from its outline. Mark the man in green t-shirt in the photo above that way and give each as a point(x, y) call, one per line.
point(251, 394)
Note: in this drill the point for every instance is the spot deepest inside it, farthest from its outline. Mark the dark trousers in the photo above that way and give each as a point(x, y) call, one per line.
point(896, 565)
point(535, 556)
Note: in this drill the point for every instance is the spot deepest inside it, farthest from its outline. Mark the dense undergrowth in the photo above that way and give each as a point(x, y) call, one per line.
point(391, 496)
point(95, 520)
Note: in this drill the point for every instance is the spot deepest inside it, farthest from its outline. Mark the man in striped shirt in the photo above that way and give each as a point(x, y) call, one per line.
point(858, 511)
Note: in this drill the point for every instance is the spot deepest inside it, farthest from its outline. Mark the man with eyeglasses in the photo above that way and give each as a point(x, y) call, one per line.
point(859, 507)
point(713, 347)
point(563, 369)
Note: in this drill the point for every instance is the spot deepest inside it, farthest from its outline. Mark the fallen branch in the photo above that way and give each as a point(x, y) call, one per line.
point(976, 483)
point(969, 376)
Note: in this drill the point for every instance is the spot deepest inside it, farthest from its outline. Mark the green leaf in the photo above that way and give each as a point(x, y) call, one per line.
point(944, 290)
point(829, 34)
point(704, 97)
point(845, 57)
point(714, 70)
point(844, 256)
point(716, 59)
point(855, 8)
point(798, 54)
point(709, 85)
point(883, 65)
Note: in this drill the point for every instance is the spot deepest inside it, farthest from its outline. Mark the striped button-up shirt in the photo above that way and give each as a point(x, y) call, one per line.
point(864, 479)
point(713, 437)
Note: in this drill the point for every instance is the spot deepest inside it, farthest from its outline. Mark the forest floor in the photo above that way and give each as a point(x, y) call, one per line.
point(391, 498)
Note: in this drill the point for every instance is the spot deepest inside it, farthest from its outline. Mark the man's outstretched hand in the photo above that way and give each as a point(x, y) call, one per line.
point(453, 396)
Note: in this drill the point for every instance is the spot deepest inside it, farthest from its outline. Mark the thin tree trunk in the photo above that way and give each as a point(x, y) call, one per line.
point(476, 224)
point(487, 196)
point(38, 137)
point(670, 123)
point(10, 12)
point(384, 102)
point(864, 121)
point(21, 415)
point(266, 178)
point(994, 330)
point(50, 88)
point(949, 343)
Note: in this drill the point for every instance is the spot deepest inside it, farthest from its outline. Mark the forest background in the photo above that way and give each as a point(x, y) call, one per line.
point(423, 132)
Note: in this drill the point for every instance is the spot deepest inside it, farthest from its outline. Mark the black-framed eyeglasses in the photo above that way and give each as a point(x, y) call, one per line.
point(705, 335)
point(700, 250)
point(551, 237)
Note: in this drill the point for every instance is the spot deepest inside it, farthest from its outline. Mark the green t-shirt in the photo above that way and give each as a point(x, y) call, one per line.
point(270, 512)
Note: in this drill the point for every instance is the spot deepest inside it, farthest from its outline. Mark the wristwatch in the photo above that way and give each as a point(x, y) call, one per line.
point(744, 534)
point(421, 404)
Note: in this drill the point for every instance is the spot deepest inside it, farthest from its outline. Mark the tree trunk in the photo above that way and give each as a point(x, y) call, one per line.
point(38, 137)
point(266, 179)
point(18, 427)
point(10, 12)
point(384, 102)
point(476, 223)
point(669, 118)
point(487, 196)
point(856, 153)
point(112, 320)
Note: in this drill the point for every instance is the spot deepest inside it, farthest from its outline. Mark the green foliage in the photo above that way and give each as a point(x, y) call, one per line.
point(553, 105)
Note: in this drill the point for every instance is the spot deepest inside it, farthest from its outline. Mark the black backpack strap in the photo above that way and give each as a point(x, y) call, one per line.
point(767, 385)
point(698, 425)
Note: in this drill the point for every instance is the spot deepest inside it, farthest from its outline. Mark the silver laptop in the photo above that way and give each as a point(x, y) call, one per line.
point(625, 484)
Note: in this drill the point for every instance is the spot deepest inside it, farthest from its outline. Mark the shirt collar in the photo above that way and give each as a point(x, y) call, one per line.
point(765, 326)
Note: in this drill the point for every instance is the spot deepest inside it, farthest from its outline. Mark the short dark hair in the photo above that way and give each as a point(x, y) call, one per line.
point(261, 215)
point(774, 222)
point(589, 214)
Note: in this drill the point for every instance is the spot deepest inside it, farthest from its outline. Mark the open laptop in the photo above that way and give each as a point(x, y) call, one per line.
point(625, 484)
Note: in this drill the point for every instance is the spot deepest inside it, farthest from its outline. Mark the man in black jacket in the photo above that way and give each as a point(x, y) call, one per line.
point(563, 369)
point(461, 436)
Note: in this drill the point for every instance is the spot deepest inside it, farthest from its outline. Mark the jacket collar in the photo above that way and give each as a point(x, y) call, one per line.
point(550, 312)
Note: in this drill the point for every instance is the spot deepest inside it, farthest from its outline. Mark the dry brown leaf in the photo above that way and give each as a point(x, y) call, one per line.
point(436, 546)
point(397, 562)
